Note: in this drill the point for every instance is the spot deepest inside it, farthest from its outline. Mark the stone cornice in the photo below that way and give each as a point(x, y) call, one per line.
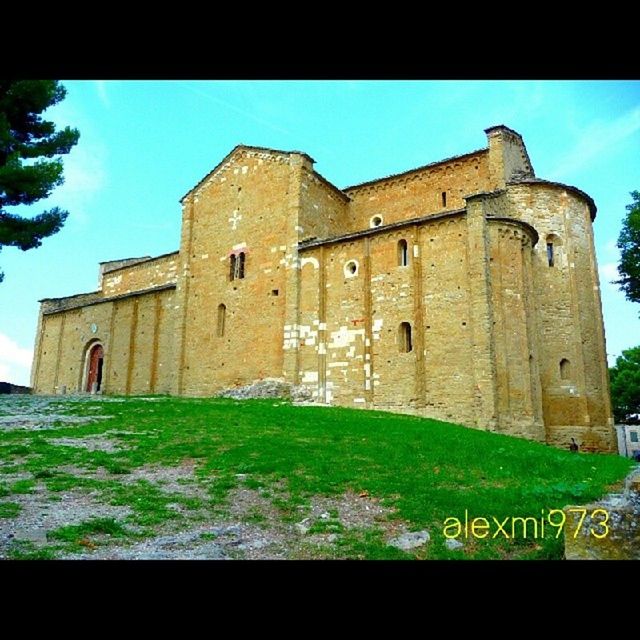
point(381, 229)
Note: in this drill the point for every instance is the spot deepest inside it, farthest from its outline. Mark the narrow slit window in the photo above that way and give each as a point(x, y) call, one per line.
point(444, 198)
point(633, 436)
point(565, 369)
point(232, 267)
point(222, 312)
point(405, 342)
point(403, 253)
point(241, 265)
point(550, 253)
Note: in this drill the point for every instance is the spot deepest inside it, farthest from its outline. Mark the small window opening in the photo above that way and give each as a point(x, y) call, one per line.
point(222, 312)
point(275, 292)
point(350, 269)
point(565, 369)
point(444, 198)
point(404, 338)
point(403, 253)
point(236, 266)
point(376, 221)
point(550, 253)
point(633, 435)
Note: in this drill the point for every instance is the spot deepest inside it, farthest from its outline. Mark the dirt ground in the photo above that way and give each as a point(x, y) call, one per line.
point(250, 526)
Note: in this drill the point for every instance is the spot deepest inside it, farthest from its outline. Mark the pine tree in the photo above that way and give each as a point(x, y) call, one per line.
point(26, 140)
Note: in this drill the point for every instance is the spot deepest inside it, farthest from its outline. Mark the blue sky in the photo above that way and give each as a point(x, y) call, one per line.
point(145, 144)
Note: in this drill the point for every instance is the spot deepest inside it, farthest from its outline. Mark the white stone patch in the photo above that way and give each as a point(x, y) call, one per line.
point(313, 261)
point(416, 251)
point(361, 400)
point(367, 385)
point(234, 219)
point(377, 278)
point(377, 324)
point(338, 364)
point(274, 249)
point(379, 298)
point(299, 228)
point(322, 326)
point(283, 247)
point(310, 376)
point(237, 247)
point(267, 270)
point(245, 169)
point(204, 256)
point(322, 349)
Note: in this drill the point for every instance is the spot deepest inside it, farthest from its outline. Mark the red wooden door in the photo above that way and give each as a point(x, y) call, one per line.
point(94, 377)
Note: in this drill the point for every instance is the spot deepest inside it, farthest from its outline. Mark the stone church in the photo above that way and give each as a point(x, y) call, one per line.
point(465, 290)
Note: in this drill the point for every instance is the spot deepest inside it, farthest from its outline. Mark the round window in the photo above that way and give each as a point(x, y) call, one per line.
point(375, 221)
point(351, 269)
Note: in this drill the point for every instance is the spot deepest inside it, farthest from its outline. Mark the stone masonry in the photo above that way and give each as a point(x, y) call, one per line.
point(465, 290)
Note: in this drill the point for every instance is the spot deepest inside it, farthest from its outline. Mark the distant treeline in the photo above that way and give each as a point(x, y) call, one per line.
point(7, 387)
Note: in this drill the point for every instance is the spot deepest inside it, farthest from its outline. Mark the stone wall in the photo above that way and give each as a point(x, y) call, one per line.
point(152, 272)
point(569, 315)
point(416, 193)
point(136, 332)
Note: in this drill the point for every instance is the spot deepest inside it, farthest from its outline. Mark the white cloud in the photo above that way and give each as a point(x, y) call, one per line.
point(15, 361)
point(597, 140)
point(609, 271)
point(101, 88)
point(84, 176)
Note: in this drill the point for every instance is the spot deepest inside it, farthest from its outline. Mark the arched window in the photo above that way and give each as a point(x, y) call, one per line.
point(553, 242)
point(405, 343)
point(550, 253)
point(222, 312)
point(403, 253)
point(565, 369)
point(236, 266)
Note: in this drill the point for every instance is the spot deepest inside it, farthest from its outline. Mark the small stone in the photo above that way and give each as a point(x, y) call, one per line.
point(410, 540)
point(332, 537)
point(324, 516)
point(302, 528)
point(453, 545)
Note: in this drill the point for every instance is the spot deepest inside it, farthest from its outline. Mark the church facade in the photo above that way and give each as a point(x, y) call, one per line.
point(465, 290)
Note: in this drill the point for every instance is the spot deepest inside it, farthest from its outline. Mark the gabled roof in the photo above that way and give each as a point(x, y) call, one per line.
point(243, 147)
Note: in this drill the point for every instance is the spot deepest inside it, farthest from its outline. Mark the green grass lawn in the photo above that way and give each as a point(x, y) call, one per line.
point(425, 469)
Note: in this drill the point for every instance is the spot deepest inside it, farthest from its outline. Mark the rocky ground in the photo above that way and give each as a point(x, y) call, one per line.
point(250, 526)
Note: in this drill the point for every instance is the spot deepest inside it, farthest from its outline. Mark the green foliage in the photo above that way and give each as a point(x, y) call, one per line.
point(29, 170)
point(629, 245)
point(625, 385)
point(9, 509)
point(74, 532)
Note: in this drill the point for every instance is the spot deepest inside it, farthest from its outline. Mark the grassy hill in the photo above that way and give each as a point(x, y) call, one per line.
point(421, 471)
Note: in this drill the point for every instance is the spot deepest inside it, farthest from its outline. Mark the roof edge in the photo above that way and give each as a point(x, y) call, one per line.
point(248, 147)
point(539, 181)
point(393, 176)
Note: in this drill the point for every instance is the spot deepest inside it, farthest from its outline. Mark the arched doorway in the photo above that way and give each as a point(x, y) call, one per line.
point(95, 362)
